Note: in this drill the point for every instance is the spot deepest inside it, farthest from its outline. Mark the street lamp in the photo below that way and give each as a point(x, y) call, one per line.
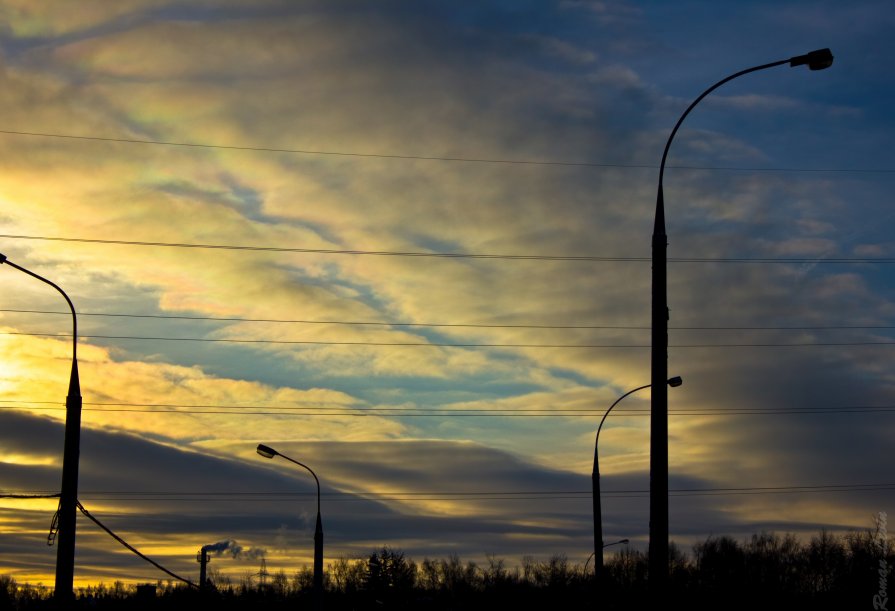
point(595, 483)
point(658, 537)
point(268, 452)
point(605, 545)
point(68, 497)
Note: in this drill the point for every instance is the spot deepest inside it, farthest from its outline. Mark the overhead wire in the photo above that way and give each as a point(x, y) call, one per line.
point(131, 548)
point(450, 344)
point(459, 255)
point(436, 495)
point(446, 495)
point(399, 411)
point(408, 157)
point(451, 325)
point(5, 495)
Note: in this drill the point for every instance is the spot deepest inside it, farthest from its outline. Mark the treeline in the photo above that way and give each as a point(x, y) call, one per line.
point(769, 571)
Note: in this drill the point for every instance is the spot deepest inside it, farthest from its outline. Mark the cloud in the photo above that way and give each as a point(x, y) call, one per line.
point(752, 102)
point(171, 515)
point(26, 20)
point(562, 49)
point(176, 401)
point(612, 12)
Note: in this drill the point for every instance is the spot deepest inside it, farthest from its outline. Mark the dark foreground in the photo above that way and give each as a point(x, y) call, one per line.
point(768, 572)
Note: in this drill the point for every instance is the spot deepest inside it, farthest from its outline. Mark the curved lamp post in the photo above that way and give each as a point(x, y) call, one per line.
point(658, 537)
point(268, 452)
point(592, 554)
point(68, 497)
point(595, 484)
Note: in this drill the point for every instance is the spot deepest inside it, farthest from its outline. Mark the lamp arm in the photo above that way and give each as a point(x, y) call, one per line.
point(71, 306)
point(699, 99)
point(311, 471)
point(617, 401)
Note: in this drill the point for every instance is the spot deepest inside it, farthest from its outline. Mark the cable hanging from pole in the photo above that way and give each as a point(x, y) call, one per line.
point(453, 255)
point(54, 523)
point(130, 547)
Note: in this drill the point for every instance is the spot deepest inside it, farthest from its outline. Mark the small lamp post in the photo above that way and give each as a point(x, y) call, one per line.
point(268, 452)
point(595, 482)
point(605, 545)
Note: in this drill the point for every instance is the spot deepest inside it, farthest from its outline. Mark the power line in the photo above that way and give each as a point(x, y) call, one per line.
point(130, 547)
point(293, 151)
point(266, 149)
point(328, 251)
point(477, 495)
point(448, 255)
point(292, 410)
point(449, 495)
point(452, 345)
point(29, 496)
point(334, 322)
point(452, 325)
point(326, 343)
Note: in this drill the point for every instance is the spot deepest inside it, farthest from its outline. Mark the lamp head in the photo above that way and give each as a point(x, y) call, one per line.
point(816, 60)
point(266, 451)
point(675, 381)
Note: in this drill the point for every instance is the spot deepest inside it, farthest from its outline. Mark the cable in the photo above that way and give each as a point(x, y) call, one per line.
point(460, 325)
point(133, 549)
point(29, 496)
point(333, 322)
point(443, 255)
point(447, 495)
point(54, 524)
point(328, 251)
point(217, 496)
point(327, 343)
point(448, 345)
point(264, 149)
point(412, 412)
point(103, 405)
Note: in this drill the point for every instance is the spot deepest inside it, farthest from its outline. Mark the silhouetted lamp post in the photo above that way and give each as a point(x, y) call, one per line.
point(595, 484)
point(658, 538)
point(268, 452)
point(68, 497)
point(605, 545)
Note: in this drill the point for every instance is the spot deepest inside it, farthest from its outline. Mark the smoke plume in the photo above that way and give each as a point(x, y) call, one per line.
point(235, 550)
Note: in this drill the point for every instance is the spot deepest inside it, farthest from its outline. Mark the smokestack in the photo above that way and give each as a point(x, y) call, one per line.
point(229, 546)
point(202, 559)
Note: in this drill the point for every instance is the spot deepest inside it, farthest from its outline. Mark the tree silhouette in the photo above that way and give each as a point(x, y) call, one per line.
point(390, 578)
point(825, 563)
point(767, 571)
point(720, 564)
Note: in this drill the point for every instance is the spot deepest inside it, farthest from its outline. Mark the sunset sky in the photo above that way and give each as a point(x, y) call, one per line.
point(407, 243)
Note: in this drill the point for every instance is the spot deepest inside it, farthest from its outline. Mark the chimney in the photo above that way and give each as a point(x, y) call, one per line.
point(202, 559)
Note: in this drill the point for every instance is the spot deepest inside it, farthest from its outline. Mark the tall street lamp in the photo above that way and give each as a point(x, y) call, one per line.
point(68, 497)
point(268, 452)
point(595, 483)
point(658, 538)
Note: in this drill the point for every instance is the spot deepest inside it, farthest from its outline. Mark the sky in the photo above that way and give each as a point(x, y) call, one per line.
point(408, 244)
